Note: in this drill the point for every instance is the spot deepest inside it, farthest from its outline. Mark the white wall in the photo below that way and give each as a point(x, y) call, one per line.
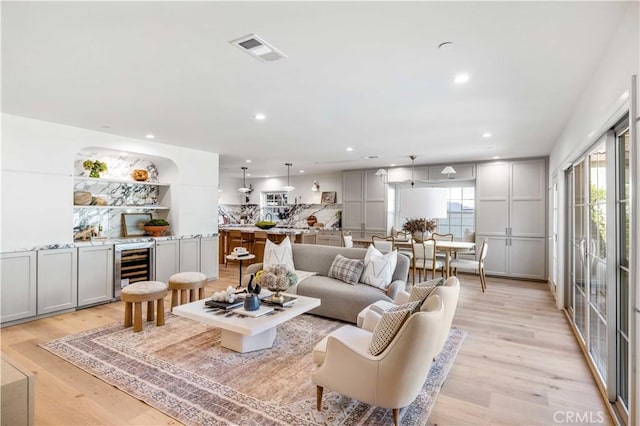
point(601, 105)
point(302, 183)
point(37, 183)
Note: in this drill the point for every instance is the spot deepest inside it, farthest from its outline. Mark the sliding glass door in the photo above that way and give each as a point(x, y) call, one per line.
point(598, 201)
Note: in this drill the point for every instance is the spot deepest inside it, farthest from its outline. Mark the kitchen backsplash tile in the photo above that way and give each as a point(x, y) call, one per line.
point(295, 216)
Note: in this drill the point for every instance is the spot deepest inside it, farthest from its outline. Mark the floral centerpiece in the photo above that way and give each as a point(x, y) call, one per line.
point(418, 227)
point(277, 278)
point(95, 167)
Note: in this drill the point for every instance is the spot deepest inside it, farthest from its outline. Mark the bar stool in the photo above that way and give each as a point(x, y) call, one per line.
point(259, 243)
point(234, 239)
point(143, 291)
point(181, 282)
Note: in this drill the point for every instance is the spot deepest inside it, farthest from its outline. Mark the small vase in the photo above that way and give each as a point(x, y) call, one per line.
point(276, 297)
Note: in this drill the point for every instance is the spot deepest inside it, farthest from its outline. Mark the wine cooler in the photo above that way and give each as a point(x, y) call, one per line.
point(133, 262)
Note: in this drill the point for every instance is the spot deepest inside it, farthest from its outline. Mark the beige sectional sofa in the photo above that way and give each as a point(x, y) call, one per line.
point(340, 300)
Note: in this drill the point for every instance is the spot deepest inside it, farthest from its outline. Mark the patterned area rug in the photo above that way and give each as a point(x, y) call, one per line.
point(181, 370)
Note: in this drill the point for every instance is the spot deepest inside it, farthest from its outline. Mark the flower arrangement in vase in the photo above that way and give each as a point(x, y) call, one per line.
point(277, 279)
point(95, 167)
point(418, 227)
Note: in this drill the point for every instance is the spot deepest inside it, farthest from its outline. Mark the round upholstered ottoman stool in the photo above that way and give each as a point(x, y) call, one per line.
point(183, 281)
point(143, 291)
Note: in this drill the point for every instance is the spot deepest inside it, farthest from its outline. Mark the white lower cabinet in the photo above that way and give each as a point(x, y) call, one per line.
point(190, 255)
point(18, 289)
point(518, 257)
point(57, 280)
point(167, 259)
point(209, 257)
point(95, 274)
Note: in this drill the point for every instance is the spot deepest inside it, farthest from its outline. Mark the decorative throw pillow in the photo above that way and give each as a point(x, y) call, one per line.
point(278, 254)
point(345, 269)
point(379, 268)
point(411, 306)
point(386, 330)
point(422, 290)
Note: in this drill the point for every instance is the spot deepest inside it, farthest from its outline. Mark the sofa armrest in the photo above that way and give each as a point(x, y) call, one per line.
point(394, 288)
point(253, 268)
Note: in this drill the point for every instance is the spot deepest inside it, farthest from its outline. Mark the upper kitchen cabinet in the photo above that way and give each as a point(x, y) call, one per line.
point(462, 172)
point(403, 174)
point(363, 202)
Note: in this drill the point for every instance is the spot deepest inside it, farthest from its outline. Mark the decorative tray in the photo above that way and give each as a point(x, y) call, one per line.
point(224, 305)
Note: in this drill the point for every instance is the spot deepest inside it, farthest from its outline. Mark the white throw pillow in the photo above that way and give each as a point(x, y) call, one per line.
point(379, 268)
point(278, 254)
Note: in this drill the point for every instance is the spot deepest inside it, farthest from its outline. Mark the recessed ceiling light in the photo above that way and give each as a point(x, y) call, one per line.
point(301, 171)
point(259, 116)
point(461, 78)
point(486, 135)
point(496, 157)
point(149, 136)
point(349, 149)
point(392, 165)
point(445, 45)
point(248, 174)
point(247, 161)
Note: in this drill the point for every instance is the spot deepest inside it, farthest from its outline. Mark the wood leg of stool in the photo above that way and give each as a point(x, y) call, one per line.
point(174, 299)
point(160, 320)
point(192, 295)
point(137, 316)
point(183, 296)
point(201, 293)
point(127, 314)
point(150, 314)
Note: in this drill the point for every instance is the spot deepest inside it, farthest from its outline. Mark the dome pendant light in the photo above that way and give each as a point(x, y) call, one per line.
point(288, 188)
point(244, 188)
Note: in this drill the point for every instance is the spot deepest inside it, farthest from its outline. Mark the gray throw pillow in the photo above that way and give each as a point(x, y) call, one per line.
point(345, 269)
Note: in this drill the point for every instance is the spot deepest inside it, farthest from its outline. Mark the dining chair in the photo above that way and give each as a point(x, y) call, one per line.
point(426, 260)
point(384, 244)
point(442, 237)
point(346, 239)
point(476, 265)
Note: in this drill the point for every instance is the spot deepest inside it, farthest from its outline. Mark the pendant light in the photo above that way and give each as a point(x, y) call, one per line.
point(288, 188)
point(413, 160)
point(244, 187)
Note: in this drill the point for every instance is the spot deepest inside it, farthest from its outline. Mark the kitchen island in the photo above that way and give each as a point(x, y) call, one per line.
point(276, 235)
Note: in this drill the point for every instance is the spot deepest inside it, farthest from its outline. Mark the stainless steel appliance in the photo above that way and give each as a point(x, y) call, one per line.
point(133, 262)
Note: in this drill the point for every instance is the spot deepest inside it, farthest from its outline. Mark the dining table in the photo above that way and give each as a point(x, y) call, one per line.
point(449, 248)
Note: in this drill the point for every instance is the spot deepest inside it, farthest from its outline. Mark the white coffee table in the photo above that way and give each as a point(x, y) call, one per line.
point(246, 334)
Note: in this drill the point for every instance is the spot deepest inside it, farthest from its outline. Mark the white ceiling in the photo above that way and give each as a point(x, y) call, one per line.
point(367, 75)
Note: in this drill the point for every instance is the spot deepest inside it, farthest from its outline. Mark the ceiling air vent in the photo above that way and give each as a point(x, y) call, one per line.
point(258, 48)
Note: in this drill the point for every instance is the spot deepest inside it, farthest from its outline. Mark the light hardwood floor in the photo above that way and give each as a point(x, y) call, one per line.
point(519, 364)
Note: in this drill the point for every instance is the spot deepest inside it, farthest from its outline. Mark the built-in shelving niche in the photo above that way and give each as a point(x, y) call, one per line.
point(119, 190)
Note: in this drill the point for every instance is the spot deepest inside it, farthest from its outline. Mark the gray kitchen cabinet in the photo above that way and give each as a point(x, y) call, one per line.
point(190, 255)
point(511, 215)
point(167, 259)
point(329, 238)
point(209, 257)
point(95, 275)
point(364, 203)
point(19, 285)
point(57, 280)
point(463, 172)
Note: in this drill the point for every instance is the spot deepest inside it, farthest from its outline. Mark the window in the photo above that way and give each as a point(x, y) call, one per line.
point(274, 204)
point(460, 212)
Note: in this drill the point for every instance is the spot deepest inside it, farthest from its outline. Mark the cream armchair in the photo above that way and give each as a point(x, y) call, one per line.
point(449, 293)
point(392, 379)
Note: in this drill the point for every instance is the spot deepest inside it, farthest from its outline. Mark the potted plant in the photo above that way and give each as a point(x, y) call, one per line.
point(156, 227)
point(95, 167)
